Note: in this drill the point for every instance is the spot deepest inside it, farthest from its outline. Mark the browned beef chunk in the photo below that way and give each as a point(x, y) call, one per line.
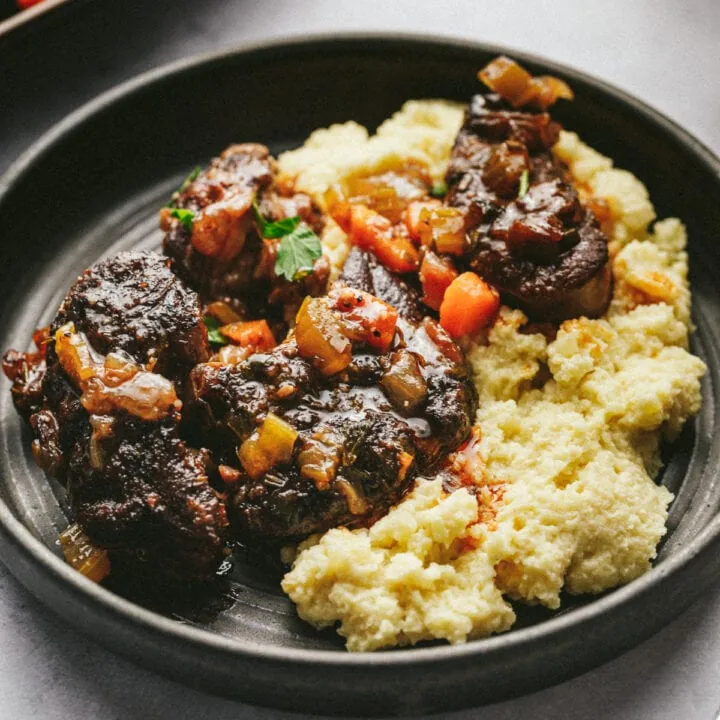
point(527, 232)
point(148, 502)
point(363, 271)
point(107, 421)
point(218, 249)
point(347, 440)
point(26, 371)
point(133, 303)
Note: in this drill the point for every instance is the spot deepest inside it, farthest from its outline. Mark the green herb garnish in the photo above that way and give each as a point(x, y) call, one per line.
point(190, 178)
point(299, 248)
point(297, 253)
point(439, 190)
point(214, 334)
point(184, 216)
point(277, 229)
point(524, 183)
point(185, 184)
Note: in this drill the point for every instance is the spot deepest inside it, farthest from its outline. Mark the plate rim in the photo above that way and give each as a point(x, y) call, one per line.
point(31, 550)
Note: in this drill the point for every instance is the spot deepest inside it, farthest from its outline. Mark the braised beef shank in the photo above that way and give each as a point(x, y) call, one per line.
point(136, 488)
point(528, 233)
point(221, 254)
point(359, 435)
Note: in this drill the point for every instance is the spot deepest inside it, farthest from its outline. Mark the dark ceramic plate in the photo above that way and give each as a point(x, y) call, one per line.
point(93, 186)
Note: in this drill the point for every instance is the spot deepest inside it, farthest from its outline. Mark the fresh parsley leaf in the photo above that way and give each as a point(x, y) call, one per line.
point(184, 216)
point(524, 183)
point(214, 334)
point(280, 228)
point(297, 253)
point(439, 190)
point(299, 248)
point(277, 229)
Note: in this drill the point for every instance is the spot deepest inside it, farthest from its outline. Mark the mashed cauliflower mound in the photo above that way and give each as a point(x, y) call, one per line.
point(569, 430)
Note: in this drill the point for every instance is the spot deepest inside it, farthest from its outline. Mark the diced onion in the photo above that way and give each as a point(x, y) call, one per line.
point(272, 444)
point(357, 504)
point(83, 556)
point(515, 84)
point(448, 230)
point(406, 460)
point(505, 77)
point(146, 395)
point(102, 429)
point(231, 354)
point(222, 312)
point(417, 220)
point(220, 229)
point(403, 383)
point(114, 382)
point(320, 338)
point(504, 168)
point(319, 458)
point(74, 354)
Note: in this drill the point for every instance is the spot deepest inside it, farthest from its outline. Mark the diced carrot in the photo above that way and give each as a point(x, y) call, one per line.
point(366, 226)
point(371, 231)
point(436, 275)
point(375, 319)
point(254, 333)
point(469, 305)
point(228, 474)
point(397, 254)
point(417, 220)
point(338, 207)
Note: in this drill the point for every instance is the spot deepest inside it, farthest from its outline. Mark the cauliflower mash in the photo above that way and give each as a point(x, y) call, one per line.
point(567, 436)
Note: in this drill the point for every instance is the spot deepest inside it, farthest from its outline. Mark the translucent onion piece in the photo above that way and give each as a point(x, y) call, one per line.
point(448, 230)
point(515, 84)
point(319, 459)
point(271, 444)
point(113, 382)
point(320, 337)
point(83, 556)
point(403, 383)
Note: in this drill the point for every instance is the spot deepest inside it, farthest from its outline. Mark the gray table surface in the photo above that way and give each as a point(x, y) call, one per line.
point(666, 52)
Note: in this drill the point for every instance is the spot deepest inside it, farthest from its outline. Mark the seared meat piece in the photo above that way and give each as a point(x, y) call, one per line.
point(133, 303)
point(363, 272)
point(527, 232)
point(26, 371)
point(215, 245)
point(107, 421)
point(331, 426)
point(149, 503)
